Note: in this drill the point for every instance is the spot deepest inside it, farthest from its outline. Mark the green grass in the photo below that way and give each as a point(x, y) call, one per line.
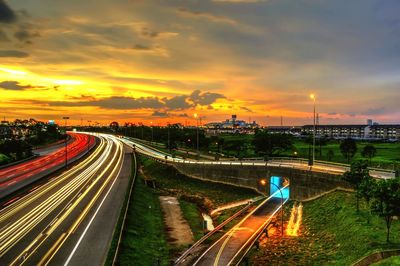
point(395, 260)
point(193, 216)
point(118, 228)
point(333, 233)
point(168, 178)
point(4, 159)
point(144, 240)
point(387, 153)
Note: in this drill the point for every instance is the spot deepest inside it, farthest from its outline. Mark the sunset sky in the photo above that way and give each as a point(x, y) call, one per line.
point(163, 61)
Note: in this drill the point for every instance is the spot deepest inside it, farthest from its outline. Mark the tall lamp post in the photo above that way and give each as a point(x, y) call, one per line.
point(197, 132)
point(264, 183)
point(66, 138)
point(312, 96)
point(152, 134)
point(169, 144)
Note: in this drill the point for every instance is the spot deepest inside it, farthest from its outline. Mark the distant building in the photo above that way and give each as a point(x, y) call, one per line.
point(232, 125)
point(284, 130)
point(369, 131)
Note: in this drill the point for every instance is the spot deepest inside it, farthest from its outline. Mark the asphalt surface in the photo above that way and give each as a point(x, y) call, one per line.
point(19, 175)
point(226, 249)
point(70, 219)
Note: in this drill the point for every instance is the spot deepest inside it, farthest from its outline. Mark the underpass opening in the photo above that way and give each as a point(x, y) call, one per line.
point(279, 187)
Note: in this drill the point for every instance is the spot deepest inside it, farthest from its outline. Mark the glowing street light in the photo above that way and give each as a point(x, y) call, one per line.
point(312, 97)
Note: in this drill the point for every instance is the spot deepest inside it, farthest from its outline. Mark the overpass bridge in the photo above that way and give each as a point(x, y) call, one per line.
point(305, 181)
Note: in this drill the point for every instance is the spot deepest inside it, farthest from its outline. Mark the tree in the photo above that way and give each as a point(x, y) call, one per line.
point(366, 190)
point(330, 154)
point(348, 148)
point(114, 125)
point(322, 141)
point(236, 145)
point(357, 174)
point(387, 201)
point(369, 151)
point(269, 144)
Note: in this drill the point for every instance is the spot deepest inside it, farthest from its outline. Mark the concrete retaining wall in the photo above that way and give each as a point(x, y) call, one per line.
point(303, 184)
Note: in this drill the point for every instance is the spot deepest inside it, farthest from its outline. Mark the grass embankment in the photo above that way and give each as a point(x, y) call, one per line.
point(387, 153)
point(389, 261)
point(333, 233)
point(193, 216)
point(144, 241)
point(169, 180)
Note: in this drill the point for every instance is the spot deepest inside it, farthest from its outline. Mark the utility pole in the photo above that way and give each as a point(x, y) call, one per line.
point(169, 147)
point(312, 96)
point(66, 142)
point(197, 132)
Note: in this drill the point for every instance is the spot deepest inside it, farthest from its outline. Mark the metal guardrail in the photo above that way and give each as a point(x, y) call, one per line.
point(126, 212)
point(19, 161)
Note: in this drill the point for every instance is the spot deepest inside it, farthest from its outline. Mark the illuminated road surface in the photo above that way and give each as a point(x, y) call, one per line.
point(53, 223)
point(229, 247)
point(19, 175)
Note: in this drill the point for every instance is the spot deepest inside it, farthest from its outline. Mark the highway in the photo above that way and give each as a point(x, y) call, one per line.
point(300, 164)
point(14, 177)
point(71, 218)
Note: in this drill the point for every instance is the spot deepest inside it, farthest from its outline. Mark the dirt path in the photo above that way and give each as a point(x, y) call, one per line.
point(178, 229)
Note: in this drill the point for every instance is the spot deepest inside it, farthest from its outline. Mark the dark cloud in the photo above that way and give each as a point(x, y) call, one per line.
point(26, 36)
point(141, 47)
point(117, 103)
point(13, 53)
point(205, 98)
point(160, 114)
point(14, 85)
point(204, 15)
point(3, 37)
point(179, 102)
point(246, 109)
point(375, 111)
point(146, 32)
point(7, 15)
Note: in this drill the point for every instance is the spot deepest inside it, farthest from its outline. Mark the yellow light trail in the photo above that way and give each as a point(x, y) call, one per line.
point(17, 230)
point(116, 161)
point(80, 184)
point(296, 215)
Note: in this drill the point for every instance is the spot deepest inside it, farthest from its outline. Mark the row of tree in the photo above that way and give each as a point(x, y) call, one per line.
point(348, 148)
point(381, 196)
point(264, 143)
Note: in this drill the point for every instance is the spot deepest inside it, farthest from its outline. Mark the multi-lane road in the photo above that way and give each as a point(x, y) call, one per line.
point(15, 177)
point(71, 218)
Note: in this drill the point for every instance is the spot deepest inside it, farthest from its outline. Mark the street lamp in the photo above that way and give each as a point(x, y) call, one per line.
point(312, 96)
point(151, 123)
point(264, 183)
point(197, 132)
point(66, 138)
point(169, 145)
